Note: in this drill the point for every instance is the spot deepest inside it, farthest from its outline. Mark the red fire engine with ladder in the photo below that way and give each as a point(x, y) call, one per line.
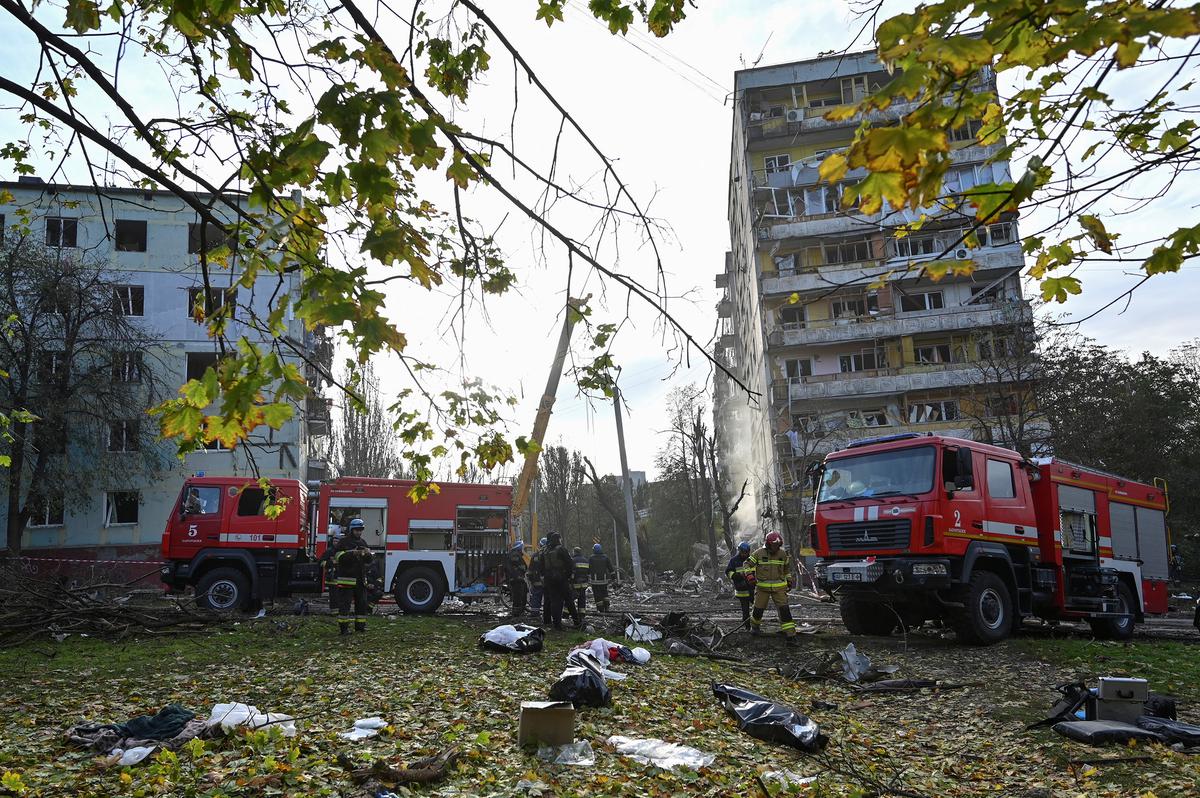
point(914, 527)
point(220, 541)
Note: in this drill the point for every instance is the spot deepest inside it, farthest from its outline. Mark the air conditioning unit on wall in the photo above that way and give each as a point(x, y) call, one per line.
point(795, 115)
point(961, 254)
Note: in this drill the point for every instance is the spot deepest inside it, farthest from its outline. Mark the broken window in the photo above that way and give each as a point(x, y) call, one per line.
point(934, 353)
point(130, 235)
point(854, 307)
point(820, 199)
point(997, 346)
point(848, 251)
point(121, 507)
point(797, 368)
point(127, 366)
point(997, 406)
point(863, 361)
point(46, 511)
point(792, 317)
point(61, 232)
point(967, 132)
point(808, 423)
point(854, 89)
point(778, 163)
point(217, 299)
point(130, 300)
point(929, 300)
point(868, 418)
point(932, 411)
point(213, 237)
point(123, 436)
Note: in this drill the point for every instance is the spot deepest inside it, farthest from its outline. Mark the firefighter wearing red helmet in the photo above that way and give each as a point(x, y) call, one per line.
point(772, 572)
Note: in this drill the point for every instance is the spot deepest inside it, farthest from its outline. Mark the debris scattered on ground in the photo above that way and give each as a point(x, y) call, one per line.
point(660, 753)
point(33, 608)
point(380, 774)
point(1172, 732)
point(578, 753)
point(363, 729)
point(230, 716)
point(642, 633)
point(773, 782)
point(1103, 732)
point(582, 683)
point(767, 720)
point(132, 741)
point(849, 665)
point(546, 722)
point(521, 638)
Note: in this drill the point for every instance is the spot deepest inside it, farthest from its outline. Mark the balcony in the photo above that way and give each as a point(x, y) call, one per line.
point(722, 280)
point(985, 258)
point(725, 309)
point(877, 382)
point(832, 331)
point(318, 346)
point(317, 469)
point(806, 121)
point(318, 411)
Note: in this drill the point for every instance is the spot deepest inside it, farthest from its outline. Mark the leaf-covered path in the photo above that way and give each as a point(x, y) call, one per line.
point(426, 677)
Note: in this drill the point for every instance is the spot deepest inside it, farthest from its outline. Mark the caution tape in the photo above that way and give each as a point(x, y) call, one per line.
point(94, 562)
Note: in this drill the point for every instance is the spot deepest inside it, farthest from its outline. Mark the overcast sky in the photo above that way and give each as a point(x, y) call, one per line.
point(660, 108)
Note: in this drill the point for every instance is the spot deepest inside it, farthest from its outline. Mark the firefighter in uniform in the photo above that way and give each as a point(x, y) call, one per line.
point(514, 575)
point(579, 579)
point(772, 578)
point(557, 568)
point(601, 569)
point(535, 578)
point(737, 571)
point(351, 563)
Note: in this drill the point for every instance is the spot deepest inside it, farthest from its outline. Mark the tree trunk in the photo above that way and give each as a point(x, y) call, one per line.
point(16, 517)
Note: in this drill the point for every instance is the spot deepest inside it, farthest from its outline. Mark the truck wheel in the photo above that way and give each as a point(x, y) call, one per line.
point(866, 618)
point(1117, 628)
point(987, 616)
point(223, 590)
point(419, 590)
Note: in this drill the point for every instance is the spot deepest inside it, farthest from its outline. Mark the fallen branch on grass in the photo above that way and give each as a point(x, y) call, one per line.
point(32, 607)
point(422, 771)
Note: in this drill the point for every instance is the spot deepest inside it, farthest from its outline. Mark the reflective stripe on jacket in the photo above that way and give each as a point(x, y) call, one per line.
point(601, 568)
point(581, 570)
point(770, 570)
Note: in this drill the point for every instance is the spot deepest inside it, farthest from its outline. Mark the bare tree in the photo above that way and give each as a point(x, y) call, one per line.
point(1006, 409)
point(75, 358)
point(561, 474)
point(364, 439)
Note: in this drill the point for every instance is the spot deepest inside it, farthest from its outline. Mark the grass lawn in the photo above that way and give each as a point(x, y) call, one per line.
point(428, 679)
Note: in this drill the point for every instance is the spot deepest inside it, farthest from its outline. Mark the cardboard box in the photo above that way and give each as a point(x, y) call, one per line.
point(546, 723)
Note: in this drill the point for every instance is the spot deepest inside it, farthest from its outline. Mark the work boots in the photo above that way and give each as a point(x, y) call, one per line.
point(343, 630)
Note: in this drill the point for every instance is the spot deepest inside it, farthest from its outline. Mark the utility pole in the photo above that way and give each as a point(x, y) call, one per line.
point(616, 547)
point(627, 485)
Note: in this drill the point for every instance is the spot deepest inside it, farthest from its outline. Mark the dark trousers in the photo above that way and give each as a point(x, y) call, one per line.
point(342, 598)
point(536, 593)
point(600, 594)
point(519, 591)
point(581, 597)
point(558, 594)
point(745, 597)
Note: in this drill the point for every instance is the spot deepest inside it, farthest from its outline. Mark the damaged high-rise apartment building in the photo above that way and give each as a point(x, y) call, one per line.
point(874, 346)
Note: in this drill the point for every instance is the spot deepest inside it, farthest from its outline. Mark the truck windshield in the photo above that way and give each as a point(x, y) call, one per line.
point(903, 471)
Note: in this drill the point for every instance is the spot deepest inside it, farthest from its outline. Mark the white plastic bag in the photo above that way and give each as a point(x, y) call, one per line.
point(230, 716)
point(660, 753)
point(576, 753)
point(641, 632)
point(364, 728)
point(132, 756)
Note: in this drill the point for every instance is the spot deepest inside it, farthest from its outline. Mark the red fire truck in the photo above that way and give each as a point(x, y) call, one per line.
point(913, 527)
point(220, 541)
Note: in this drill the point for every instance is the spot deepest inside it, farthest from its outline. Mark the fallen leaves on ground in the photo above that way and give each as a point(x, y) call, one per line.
point(426, 677)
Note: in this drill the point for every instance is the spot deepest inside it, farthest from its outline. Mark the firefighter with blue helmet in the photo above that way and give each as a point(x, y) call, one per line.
point(600, 572)
point(738, 572)
point(352, 561)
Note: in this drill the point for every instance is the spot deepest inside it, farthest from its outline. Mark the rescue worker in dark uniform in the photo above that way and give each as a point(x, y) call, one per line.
point(772, 577)
point(514, 576)
point(351, 564)
point(536, 587)
point(579, 579)
point(600, 571)
point(737, 573)
point(557, 567)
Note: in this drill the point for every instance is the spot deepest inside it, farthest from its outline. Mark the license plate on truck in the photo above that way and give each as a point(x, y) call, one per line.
point(846, 576)
point(853, 572)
